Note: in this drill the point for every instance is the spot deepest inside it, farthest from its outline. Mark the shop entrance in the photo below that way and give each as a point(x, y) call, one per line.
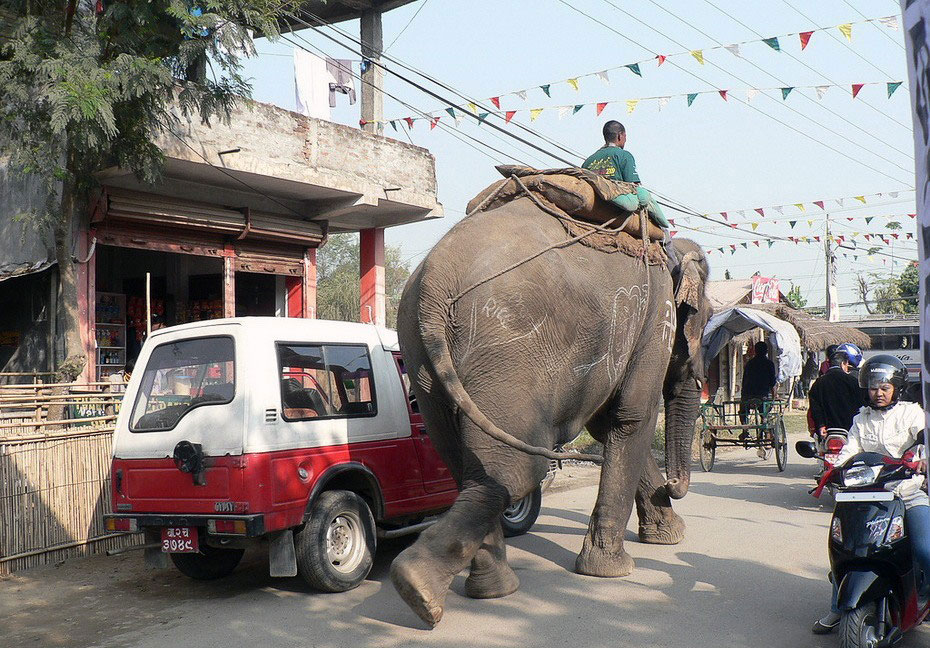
point(256, 294)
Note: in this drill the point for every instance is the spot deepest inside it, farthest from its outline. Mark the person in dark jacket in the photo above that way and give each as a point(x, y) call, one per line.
point(835, 397)
point(759, 380)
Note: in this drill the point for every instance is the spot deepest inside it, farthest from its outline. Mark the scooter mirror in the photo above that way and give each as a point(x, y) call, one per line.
point(806, 449)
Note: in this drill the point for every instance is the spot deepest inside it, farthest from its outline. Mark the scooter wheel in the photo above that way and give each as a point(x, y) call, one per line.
point(859, 628)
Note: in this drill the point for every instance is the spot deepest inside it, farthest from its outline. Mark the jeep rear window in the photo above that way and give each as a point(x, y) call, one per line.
point(180, 376)
point(325, 381)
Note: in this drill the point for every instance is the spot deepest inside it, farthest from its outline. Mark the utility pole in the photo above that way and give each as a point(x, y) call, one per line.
point(832, 309)
point(372, 75)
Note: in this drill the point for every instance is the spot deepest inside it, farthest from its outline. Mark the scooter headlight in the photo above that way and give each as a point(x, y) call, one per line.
point(836, 531)
point(861, 475)
point(896, 529)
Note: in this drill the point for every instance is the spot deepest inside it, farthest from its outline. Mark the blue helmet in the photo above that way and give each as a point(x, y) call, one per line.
point(853, 353)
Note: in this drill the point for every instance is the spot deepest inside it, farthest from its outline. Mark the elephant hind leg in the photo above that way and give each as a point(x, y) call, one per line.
point(490, 575)
point(658, 523)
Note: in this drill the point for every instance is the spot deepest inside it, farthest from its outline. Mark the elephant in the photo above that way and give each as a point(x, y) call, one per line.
point(510, 350)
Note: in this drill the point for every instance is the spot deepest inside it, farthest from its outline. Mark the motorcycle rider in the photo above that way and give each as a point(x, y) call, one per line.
point(835, 397)
point(891, 427)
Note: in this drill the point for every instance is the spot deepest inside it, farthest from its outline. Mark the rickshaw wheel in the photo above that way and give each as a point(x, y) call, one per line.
point(708, 450)
point(781, 445)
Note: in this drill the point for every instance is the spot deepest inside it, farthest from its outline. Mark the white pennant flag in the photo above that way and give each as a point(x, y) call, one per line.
point(732, 49)
point(521, 94)
point(563, 110)
point(663, 102)
point(459, 116)
point(821, 91)
point(742, 213)
point(603, 77)
point(780, 209)
point(839, 201)
point(893, 194)
point(891, 22)
point(751, 93)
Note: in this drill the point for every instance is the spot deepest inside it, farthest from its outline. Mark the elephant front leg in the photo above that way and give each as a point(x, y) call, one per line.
point(658, 523)
point(490, 575)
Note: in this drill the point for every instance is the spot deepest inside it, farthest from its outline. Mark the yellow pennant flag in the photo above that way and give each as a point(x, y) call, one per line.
point(472, 107)
point(810, 223)
point(698, 55)
point(631, 105)
point(800, 206)
point(846, 30)
point(754, 226)
point(573, 83)
point(860, 198)
point(534, 113)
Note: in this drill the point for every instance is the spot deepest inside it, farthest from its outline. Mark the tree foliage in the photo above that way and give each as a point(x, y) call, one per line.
point(338, 290)
point(795, 298)
point(896, 294)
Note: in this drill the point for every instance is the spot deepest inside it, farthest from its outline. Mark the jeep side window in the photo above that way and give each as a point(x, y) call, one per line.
point(180, 376)
point(325, 381)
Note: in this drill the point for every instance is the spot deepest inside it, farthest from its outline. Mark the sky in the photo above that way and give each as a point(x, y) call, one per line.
point(716, 155)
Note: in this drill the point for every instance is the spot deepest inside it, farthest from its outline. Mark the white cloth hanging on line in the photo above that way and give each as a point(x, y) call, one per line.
point(311, 83)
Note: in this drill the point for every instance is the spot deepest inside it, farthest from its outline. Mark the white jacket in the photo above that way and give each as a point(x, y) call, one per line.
point(889, 432)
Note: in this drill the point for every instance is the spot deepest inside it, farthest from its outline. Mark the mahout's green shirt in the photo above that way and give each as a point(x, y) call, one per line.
point(614, 163)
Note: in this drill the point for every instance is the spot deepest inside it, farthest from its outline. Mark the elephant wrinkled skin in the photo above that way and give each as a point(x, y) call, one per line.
point(574, 337)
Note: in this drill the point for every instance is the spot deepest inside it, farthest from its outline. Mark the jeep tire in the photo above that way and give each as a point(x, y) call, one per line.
point(336, 545)
point(519, 517)
point(211, 563)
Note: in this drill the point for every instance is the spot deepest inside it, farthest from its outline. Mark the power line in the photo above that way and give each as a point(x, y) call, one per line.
point(882, 31)
point(409, 22)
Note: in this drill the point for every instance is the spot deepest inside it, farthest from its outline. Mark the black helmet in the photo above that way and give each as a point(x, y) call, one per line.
point(883, 369)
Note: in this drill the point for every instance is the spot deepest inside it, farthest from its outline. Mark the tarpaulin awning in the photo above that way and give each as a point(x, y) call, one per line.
point(724, 325)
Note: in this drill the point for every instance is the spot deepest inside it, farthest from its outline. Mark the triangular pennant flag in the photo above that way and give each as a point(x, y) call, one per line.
point(891, 22)
point(868, 219)
point(734, 225)
point(545, 88)
point(742, 213)
point(786, 91)
point(912, 215)
point(856, 87)
point(496, 101)
point(723, 94)
point(534, 113)
point(733, 246)
point(751, 93)
point(819, 203)
point(773, 43)
point(770, 242)
point(631, 105)
point(821, 90)
point(509, 115)
point(725, 217)
point(805, 38)
point(800, 206)
point(849, 218)
point(473, 108)
point(893, 194)
point(745, 245)
point(409, 121)
point(860, 199)
point(394, 124)
point(732, 49)
point(634, 68)
point(817, 238)
point(663, 102)
point(602, 75)
point(780, 209)
point(698, 56)
point(573, 83)
point(691, 97)
point(459, 116)
point(792, 223)
point(451, 112)
point(577, 108)
point(482, 117)
point(601, 106)
point(661, 59)
point(756, 242)
point(910, 235)
point(846, 30)
point(672, 232)
point(433, 122)
point(760, 211)
point(362, 123)
point(892, 86)
point(839, 201)
point(755, 226)
point(563, 110)
point(521, 94)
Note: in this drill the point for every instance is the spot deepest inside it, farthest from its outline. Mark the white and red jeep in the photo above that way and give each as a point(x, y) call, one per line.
point(296, 431)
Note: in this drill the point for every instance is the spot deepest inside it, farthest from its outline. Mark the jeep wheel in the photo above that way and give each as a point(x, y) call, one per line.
point(211, 563)
point(519, 517)
point(335, 548)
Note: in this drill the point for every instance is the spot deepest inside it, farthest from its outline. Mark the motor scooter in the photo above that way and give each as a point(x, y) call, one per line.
point(871, 562)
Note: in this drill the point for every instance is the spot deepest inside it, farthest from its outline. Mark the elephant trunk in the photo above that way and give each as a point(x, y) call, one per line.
point(681, 410)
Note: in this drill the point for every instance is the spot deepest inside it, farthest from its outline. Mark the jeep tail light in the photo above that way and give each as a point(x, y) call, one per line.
point(126, 525)
point(228, 527)
point(835, 445)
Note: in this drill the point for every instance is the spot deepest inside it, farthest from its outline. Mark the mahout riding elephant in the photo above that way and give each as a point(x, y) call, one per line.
point(508, 349)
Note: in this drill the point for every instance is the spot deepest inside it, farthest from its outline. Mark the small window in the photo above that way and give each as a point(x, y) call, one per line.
point(180, 376)
point(405, 379)
point(325, 381)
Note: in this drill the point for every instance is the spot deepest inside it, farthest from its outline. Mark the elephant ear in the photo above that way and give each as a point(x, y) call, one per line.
point(693, 308)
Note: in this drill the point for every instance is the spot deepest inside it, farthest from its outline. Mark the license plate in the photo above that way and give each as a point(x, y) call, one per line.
point(866, 496)
point(179, 540)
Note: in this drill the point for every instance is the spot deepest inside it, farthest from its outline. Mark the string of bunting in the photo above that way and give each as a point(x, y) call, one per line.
point(810, 222)
point(821, 205)
point(457, 113)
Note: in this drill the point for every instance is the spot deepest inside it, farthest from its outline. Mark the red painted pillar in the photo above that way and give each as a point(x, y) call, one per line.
point(294, 286)
point(372, 276)
point(309, 283)
point(229, 285)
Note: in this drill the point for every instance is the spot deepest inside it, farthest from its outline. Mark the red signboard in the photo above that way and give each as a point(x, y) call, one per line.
point(764, 290)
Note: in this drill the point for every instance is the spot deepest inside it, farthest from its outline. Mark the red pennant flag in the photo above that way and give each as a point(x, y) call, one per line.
point(723, 94)
point(895, 236)
point(496, 101)
point(909, 235)
point(760, 212)
point(805, 38)
point(361, 123)
point(409, 121)
point(913, 215)
point(509, 115)
point(433, 122)
point(734, 225)
point(868, 237)
point(819, 203)
point(671, 222)
point(661, 59)
point(856, 87)
point(840, 239)
point(756, 243)
point(600, 107)
point(817, 238)
point(733, 246)
point(672, 232)
point(725, 217)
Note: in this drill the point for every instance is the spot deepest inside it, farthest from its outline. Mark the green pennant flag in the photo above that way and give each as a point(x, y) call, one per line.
point(691, 97)
point(785, 92)
point(394, 124)
point(634, 68)
point(482, 117)
point(792, 223)
point(773, 43)
point(545, 88)
point(868, 219)
point(721, 250)
point(770, 242)
point(745, 245)
point(451, 112)
point(892, 86)
point(577, 108)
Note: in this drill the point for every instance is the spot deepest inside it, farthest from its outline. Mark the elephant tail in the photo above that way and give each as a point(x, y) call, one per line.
point(436, 345)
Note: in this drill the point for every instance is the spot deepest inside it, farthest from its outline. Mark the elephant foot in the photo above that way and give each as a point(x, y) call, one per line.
point(666, 532)
point(597, 562)
point(495, 582)
point(417, 589)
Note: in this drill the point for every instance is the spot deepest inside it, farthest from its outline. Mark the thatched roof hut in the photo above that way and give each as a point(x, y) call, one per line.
point(816, 334)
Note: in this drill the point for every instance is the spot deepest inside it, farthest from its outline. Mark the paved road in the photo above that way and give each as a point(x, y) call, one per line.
point(751, 572)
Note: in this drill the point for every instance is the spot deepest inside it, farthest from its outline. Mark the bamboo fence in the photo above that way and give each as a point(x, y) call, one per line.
point(55, 474)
